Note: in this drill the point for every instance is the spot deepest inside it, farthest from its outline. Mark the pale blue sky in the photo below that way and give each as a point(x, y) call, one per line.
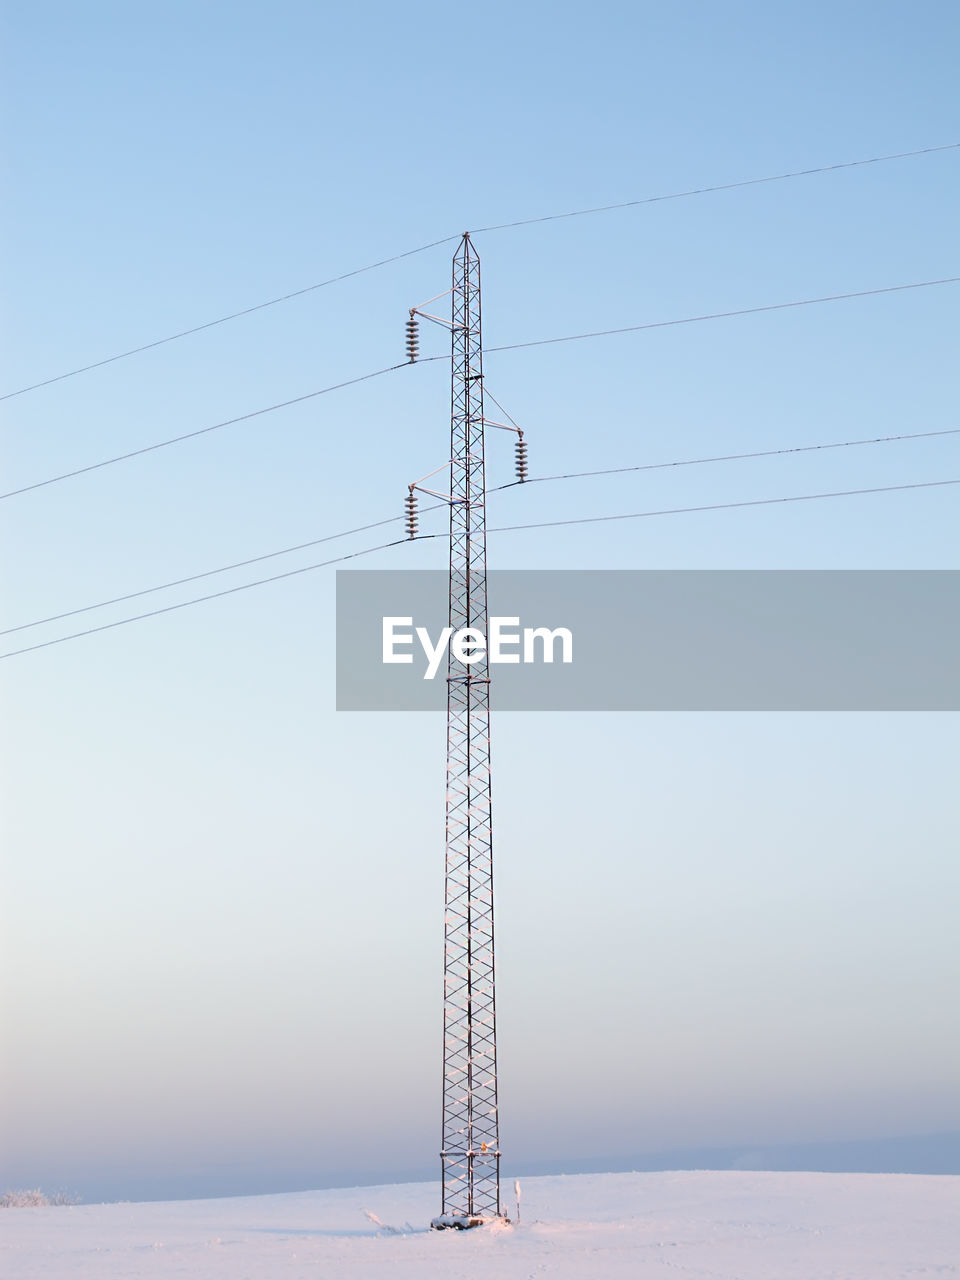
point(222, 901)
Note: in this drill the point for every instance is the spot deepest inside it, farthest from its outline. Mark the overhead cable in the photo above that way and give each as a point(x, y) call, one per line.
point(196, 577)
point(234, 315)
point(723, 186)
point(215, 595)
point(733, 457)
point(717, 506)
point(633, 515)
point(377, 524)
point(201, 431)
point(501, 226)
point(513, 346)
point(724, 315)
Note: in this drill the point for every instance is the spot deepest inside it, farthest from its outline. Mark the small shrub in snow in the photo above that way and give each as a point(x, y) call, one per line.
point(34, 1199)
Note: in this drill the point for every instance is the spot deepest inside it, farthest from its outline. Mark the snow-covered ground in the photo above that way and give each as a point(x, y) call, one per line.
point(675, 1226)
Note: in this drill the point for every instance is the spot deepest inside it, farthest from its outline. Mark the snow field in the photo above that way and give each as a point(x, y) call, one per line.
point(662, 1226)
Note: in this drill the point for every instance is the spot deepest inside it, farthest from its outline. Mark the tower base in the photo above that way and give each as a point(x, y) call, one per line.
point(461, 1222)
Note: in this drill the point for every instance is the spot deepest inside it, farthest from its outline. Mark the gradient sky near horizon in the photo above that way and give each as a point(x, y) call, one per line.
point(222, 901)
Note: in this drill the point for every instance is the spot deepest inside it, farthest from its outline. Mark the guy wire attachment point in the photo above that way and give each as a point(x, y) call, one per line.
point(520, 445)
point(411, 513)
point(413, 325)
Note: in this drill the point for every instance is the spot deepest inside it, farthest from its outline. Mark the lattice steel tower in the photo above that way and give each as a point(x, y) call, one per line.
point(471, 1146)
point(470, 1152)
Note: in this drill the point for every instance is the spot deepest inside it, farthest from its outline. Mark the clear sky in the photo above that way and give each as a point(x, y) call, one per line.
point(221, 907)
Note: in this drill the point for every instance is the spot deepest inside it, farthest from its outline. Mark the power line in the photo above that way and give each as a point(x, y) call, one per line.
point(234, 315)
point(201, 431)
point(216, 595)
point(730, 457)
point(433, 244)
point(725, 186)
point(725, 315)
point(717, 506)
point(195, 577)
point(377, 524)
point(632, 515)
point(513, 346)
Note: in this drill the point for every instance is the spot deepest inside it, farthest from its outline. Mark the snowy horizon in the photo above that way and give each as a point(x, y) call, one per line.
point(925, 1154)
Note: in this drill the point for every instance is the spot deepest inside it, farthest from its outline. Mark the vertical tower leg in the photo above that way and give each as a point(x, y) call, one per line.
point(471, 1148)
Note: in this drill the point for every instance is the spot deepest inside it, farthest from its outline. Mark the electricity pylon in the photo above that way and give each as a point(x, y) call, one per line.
point(471, 1138)
point(470, 1152)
